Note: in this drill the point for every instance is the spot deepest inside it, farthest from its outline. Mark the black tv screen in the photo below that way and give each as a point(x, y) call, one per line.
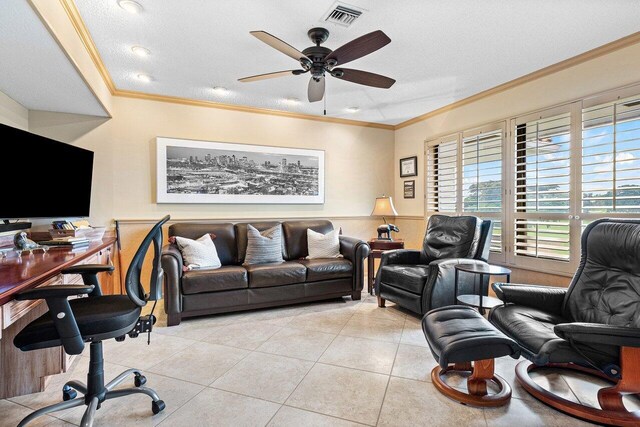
point(43, 178)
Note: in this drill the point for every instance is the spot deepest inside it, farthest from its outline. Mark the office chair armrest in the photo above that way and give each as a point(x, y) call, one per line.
point(88, 269)
point(60, 311)
point(598, 333)
point(545, 298)
point(56, 291)
point(89, 273)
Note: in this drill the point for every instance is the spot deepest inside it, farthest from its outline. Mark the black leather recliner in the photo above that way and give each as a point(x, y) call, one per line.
point(593, 326)
point(424, 280)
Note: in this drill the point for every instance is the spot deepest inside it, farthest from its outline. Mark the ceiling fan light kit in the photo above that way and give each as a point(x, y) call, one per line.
point(320, 61)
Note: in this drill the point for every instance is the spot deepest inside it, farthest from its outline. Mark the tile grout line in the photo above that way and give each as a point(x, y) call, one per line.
point(384, 396)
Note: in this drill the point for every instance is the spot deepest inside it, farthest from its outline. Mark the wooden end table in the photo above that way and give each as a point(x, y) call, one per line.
point(377, 247)
point(480, 301)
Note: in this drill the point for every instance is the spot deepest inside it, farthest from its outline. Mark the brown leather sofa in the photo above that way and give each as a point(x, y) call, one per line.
point(235, 287)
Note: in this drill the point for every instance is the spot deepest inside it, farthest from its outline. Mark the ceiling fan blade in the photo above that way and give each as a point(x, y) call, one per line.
point(278, 44)
point(359, 47)
point(267, 76)
point(316, 89)
point(363, 77)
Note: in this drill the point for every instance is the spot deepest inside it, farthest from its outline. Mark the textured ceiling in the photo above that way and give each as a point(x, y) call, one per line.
point(441, 50)
point(34, 71)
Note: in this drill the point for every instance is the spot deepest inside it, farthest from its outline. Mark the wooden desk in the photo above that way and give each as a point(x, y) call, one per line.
point(377, 247)
point(27, 372)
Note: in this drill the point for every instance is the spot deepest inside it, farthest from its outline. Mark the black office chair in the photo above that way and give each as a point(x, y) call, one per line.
point(94, 319)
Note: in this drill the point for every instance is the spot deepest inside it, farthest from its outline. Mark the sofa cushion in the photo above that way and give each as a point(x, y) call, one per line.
point(451, 237)
point(276, 274)
point(225, 237)
point(411, 278)
point(327, 268)
point(295, 236)
point(222, 279)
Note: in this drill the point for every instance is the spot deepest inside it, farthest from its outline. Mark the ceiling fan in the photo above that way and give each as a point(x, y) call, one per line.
point(319, 60)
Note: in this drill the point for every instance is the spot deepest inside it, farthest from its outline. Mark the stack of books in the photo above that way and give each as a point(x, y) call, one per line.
point(73, 242)
point(62, 225)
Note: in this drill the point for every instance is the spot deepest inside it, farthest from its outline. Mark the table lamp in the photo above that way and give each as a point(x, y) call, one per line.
point(384, 207)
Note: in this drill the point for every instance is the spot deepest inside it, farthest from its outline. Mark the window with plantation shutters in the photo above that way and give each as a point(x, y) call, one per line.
point(611, 158)
point(442, 176)
point(482, 180)
point(542, 190)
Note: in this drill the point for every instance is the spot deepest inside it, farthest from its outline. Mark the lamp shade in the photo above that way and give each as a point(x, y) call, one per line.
point(384, 207)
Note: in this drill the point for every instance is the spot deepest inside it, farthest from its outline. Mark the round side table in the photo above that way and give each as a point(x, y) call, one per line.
point(480, 301)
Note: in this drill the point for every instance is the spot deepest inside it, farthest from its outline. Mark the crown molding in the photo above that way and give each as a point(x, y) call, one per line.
point(78, 24)
point(559, 66)
point(233, 107)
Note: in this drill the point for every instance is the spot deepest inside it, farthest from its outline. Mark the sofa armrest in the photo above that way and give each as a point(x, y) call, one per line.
point(546, 298)
point(356, 251)
point(440, 287)
point(172, 265)
point(598, 333)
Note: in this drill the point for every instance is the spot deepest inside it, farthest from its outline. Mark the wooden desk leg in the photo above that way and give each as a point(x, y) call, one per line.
point(370, 274)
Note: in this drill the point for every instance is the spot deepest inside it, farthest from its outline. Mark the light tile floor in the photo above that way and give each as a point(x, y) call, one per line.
point(334, 363)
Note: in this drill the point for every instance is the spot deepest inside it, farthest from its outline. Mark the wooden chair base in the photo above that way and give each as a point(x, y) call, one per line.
point(481, 373)
point(612, 411)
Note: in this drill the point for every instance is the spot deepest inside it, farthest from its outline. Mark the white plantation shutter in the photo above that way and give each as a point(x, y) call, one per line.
point(611, 158)
point(542, 187)
point(442, 176)
point(482, 179)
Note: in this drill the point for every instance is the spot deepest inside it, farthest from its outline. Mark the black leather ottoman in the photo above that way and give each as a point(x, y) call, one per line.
point(460, 335)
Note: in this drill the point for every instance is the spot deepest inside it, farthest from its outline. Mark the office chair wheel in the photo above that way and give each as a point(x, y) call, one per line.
point(157, 406)
point(68, 393)
point(140, 380)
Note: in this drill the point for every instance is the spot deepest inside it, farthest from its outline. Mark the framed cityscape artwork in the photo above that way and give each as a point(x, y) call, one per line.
point(191, 171)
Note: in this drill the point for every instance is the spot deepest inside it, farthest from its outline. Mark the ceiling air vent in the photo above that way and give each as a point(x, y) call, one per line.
point(342, 14)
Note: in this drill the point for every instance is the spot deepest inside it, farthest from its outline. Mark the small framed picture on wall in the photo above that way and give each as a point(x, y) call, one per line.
point(409, 166)
point(410, 189)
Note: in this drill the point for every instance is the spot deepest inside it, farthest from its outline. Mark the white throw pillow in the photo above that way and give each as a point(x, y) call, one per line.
point(199, 254)
point(323, 245)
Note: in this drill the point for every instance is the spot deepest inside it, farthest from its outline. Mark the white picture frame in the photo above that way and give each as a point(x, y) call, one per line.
point(191, 171)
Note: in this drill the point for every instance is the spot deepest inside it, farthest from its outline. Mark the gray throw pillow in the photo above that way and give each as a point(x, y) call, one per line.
point(263, 247)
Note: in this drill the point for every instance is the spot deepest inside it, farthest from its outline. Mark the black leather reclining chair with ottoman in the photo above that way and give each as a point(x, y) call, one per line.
point(461, 335)
point(593, 326)
point(423, 280)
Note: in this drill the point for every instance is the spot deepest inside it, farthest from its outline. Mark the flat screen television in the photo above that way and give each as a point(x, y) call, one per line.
point(43, 178)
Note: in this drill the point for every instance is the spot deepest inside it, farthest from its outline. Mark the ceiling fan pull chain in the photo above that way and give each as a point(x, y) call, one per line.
point(325, 102)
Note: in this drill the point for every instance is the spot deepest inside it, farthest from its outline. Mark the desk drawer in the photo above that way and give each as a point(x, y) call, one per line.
point(76, 279)
point(14, 310)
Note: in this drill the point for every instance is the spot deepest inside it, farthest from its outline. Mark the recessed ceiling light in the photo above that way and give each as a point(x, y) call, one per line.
point(291, 101)
point(144, 77)
point(130, 6)
point(353, 109)
point(220, 90)
point(141, 51)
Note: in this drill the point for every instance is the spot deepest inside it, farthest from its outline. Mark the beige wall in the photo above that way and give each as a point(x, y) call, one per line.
point(606, 72)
